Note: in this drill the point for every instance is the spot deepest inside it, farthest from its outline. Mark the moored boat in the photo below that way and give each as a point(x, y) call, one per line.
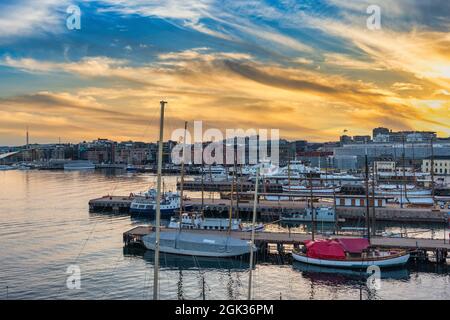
point(197, 221)
point(300, 188)
point(170, 203)
point(79, 165)
point(321, 214)
point(348, 253)
point(192, 243)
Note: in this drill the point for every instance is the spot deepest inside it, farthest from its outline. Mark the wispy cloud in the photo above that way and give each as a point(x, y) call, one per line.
point(29, 17)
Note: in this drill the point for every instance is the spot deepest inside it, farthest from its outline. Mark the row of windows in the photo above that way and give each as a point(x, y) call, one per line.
point(437, 164)
point(439, 170)
point(209, 227)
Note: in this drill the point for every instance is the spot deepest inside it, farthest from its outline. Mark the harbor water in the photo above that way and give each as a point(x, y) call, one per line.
point(46, 228)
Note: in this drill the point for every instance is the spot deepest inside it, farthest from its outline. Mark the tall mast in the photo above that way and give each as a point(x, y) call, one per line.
point(28, 139)
point(289, 173)
point(158, 203)
point(367, 198)
point(230, 212)
point(182, 172)
point(373, 197)
point(404, 172)
point(313, 220)
point(203, 183)
point(235, 180)
point(252, 241)
point(432, 169)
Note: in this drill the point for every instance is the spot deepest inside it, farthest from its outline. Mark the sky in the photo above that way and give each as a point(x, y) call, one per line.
point(310, 68)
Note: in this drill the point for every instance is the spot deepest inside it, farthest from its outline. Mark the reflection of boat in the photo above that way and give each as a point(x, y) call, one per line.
point(322, 214)
point(172, 261)
point(197, 221)
point(393, 273)
point(348, 253)
point(197, 244)
point(79, 165)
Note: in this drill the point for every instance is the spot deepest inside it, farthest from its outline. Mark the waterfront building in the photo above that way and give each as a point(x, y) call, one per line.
point(441, 165)
point(412, 151)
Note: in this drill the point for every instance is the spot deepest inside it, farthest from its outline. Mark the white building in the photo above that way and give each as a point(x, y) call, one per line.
point(441, 165)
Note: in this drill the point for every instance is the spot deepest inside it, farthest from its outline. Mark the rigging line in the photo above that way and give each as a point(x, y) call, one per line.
point(82, 248)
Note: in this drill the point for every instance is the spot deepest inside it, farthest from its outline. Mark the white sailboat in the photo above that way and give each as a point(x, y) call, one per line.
point(186, 241)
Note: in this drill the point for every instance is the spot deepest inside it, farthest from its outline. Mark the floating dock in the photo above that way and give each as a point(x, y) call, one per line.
point(225, 186)
point(419, 247)
point(272, 210)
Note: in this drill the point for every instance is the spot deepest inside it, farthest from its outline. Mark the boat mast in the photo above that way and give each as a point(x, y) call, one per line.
point(252, 241)
point(367, 197)
point(373, 196)
point(432, 171)
point(313, 220)
point(158, 204)
point(182, 173)
point(230, 212)
point(289, 173)
point(236, 177)
point(404, 172)
point(203, 183)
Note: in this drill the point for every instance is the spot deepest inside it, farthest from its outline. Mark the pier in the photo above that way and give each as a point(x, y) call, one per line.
point(272, 210)
point(418, 247)
point(241, 185)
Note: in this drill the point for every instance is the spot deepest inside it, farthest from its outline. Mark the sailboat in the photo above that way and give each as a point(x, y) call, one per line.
point(189, 242)
point(349, 252)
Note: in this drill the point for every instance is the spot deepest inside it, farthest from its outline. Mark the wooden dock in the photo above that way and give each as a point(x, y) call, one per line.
point(225, 186)
point(280, 239)
point(272, 210)
point(111, 204)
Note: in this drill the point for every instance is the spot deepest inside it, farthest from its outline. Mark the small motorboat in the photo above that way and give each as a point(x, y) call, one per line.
point(194, 220)
point(348, 253)
point(321, 214)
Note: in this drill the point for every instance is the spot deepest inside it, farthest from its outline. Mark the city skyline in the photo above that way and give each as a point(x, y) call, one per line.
point(311, 69)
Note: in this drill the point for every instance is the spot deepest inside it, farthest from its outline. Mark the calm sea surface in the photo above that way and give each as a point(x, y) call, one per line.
point(45, 227)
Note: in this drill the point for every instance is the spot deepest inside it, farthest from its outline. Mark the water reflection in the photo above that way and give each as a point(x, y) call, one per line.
point(339, 276)
point(171, 261)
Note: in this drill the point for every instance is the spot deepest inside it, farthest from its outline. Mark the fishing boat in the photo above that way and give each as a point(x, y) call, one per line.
point(146, 204)
point(79, 165)
point(348, 253)
point(197, 244)
point(322, 214)
point(197, 221)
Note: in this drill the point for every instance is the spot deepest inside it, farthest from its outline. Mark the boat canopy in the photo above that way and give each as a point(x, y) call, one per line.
point(352, 245)
point(325, 249)
point(335, 249)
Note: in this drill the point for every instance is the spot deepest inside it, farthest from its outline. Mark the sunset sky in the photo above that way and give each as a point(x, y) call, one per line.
point(309, 68)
